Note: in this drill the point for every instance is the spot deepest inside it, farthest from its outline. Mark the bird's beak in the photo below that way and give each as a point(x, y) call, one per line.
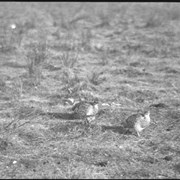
point(153, 122)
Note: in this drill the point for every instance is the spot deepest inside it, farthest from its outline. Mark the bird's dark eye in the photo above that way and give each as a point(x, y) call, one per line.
point(143, 115)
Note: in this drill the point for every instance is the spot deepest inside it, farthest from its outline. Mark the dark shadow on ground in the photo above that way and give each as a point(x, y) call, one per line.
point(66, 116)
point(116, 129)
point(64, 128)
point(52, 68)
point(14, 65)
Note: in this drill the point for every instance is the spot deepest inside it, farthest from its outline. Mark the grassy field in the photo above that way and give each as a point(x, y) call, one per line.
point(127, 54)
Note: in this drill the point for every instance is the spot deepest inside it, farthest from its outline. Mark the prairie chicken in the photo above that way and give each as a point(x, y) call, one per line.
point(86, 110)
point(138, 122)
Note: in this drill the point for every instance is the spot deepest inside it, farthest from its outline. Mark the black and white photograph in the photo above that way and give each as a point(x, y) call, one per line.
point(89, 90)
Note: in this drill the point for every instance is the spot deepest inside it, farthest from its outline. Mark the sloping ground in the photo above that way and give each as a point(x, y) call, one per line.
point(128, 58)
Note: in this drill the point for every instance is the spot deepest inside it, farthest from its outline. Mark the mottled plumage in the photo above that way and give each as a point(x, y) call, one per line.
point(86, 110)
point(138, 122)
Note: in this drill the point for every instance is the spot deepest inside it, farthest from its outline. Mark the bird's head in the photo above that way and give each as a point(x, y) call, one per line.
point(146, 113)
point(94, 101)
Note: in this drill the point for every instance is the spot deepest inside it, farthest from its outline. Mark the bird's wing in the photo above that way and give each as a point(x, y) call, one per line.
point(76, 106)
point(130, 121)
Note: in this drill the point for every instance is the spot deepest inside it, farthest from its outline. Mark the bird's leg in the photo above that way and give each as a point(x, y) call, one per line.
point(138, 134)
point(126, 131)
point(86, 122)
point(91, 118)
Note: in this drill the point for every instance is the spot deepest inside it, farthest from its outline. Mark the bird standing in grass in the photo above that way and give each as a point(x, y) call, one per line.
point(138, 122)
point(86, 110)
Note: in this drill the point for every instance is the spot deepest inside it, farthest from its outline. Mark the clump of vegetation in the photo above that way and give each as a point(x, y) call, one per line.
point(7, 36)
point(95, 78)
point(70, 78)
point(20, 115)
point(86, 37)
point(154, 16)
point(104, 58)
point(173, 12)
point(18, 88)
point(36, 56)
point(70, 16)
point(154, 20)
point(69, 60)
point(19, 30)
point(104, 18)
